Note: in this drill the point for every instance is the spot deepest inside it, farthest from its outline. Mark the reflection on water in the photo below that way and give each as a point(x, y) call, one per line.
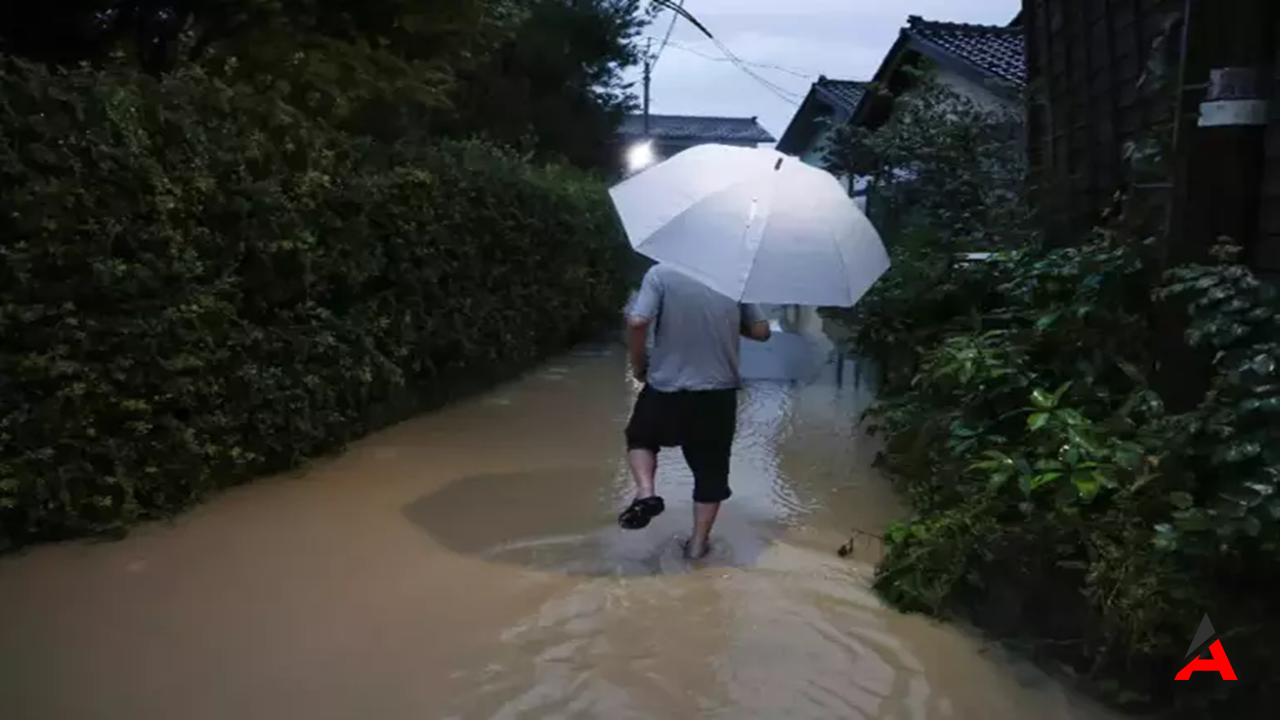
point(467, 565)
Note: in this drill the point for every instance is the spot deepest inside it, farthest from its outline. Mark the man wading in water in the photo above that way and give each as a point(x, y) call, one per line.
point(690, 394)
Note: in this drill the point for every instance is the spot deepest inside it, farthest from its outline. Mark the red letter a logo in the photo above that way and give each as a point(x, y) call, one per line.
point(1218, 663)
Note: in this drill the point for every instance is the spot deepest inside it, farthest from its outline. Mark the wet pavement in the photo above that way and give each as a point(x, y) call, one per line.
point(467, 564)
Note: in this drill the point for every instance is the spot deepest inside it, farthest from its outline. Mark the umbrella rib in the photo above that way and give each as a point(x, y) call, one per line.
point(704, 246)
point(764, 227)
point(692, 207)
point(639, 247)
point(844, 265)
point(693, 204)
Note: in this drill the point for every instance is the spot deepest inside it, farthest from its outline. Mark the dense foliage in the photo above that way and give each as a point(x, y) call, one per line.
point(941, 157)
point(205, 276)
point(1058, 500)
point(541, 74)
point(556, 87)
point(944, 178)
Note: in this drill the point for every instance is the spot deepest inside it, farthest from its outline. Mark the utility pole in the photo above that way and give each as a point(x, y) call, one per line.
point(1229, 61)
point(1231, 68)
point(648, 64)
point(677, 7)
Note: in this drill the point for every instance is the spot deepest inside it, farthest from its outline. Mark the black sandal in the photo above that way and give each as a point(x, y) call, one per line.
point(640, 512)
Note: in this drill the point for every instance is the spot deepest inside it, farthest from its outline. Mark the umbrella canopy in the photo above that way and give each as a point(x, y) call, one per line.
point(753, 224)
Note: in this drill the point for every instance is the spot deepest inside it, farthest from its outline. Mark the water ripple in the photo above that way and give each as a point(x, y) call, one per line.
point(468, 565)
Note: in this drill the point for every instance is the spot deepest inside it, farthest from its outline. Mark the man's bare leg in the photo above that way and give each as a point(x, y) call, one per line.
point(704, 517)
point(644, 466)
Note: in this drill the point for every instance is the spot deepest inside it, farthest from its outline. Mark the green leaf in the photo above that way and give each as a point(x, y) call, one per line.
point(1044, 479)
point(1047, 321)
point(1070, 455)
point(1037, 420)
point(1041, 399)
point(1131, 371)
point(1192, 521)
point(998, 457)
point(1181, 499)
point(1086, 484)
point(1166, 537)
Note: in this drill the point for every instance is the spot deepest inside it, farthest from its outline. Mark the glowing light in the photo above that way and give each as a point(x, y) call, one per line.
point(640, 156)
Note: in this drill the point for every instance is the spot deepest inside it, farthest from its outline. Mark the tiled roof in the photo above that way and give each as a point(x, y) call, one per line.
point(828, 98)
point(999, 51)
point(846, 92)
point(696, 127)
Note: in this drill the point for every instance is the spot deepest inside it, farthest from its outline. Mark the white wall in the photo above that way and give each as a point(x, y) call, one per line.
point(816, 152)
point(979, 93)
point(815, 155)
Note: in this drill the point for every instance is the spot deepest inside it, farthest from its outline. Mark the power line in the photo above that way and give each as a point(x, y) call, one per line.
point(764, 66)
point(676, 6)
point(675, 16)
point(746, 65)
point(776, 89)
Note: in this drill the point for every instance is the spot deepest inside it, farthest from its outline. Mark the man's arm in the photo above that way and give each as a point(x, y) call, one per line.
point(755, 325)
point(643, 311)
point(637, 339)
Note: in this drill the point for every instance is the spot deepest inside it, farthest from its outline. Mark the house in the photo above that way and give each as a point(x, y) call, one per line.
point(672, 133)
point(986, 63)
point(669, 134)
point(829, 103)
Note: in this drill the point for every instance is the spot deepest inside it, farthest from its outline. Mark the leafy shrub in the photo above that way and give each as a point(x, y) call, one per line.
point(944, 177)
point(1058, 500)
point(200, 284)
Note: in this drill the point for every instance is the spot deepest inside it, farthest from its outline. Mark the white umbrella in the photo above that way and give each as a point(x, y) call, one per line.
point(753, 224)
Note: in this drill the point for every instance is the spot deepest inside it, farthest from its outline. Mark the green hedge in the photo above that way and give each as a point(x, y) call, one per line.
point(199, 283)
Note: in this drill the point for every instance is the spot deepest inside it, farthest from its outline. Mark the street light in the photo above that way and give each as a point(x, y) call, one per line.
point(640, 156)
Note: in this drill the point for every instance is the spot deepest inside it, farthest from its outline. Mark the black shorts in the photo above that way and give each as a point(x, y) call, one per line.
point(700, 422)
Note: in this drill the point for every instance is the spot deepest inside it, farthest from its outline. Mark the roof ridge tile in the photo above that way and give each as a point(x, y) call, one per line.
point(998, 51)
point(705, 127)
point(916, 22)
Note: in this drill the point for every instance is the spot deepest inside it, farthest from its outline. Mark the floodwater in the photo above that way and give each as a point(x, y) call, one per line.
point(467, 565)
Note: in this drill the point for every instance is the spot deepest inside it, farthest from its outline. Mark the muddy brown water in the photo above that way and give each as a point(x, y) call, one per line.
point(467, 565)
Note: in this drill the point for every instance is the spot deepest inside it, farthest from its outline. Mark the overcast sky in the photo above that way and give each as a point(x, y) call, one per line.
point(845, 39)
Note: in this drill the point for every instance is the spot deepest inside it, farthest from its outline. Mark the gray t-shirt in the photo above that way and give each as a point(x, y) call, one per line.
point(695, 332)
